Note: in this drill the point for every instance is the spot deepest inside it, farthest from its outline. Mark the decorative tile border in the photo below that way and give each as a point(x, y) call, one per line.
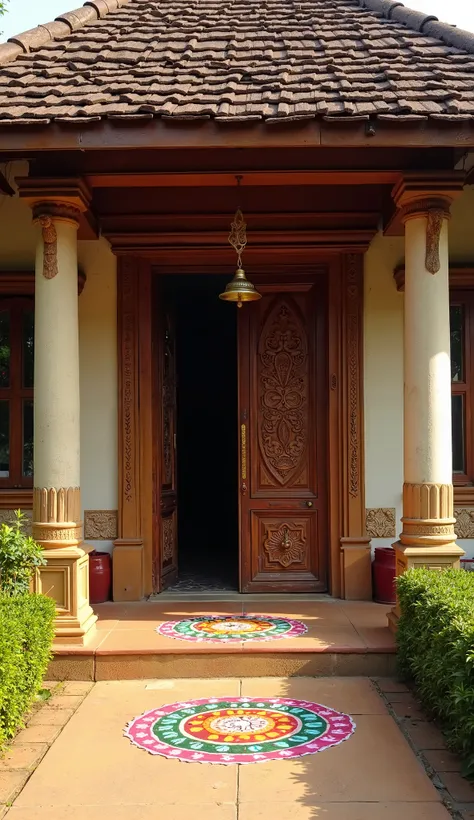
point(380, 522)
point(100, 525)
point(464, 527)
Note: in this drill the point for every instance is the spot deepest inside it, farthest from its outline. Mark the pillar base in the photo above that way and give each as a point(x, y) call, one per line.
point(436, 558)
point(65, 578)
point(444, 556)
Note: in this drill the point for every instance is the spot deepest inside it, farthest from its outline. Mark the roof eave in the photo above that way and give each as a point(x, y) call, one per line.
point(167, 133)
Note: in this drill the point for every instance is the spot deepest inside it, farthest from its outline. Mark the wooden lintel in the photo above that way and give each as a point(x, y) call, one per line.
point(262, 241)
point(226, 179)
point(115, 223)
point(166, 133)
point(205, 260)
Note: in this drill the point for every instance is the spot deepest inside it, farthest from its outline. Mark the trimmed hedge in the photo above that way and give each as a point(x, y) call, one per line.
point(26, 636)
point(436, 649)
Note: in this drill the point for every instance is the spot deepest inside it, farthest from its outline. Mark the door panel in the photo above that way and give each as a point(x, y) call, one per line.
point(166, 536)
point(282, 364)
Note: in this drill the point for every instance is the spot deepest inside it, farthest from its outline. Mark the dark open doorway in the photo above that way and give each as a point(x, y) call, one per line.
point(207, 443)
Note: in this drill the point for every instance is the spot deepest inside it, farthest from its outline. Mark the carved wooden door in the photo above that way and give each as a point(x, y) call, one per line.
point(282, 367)
point(166, 512)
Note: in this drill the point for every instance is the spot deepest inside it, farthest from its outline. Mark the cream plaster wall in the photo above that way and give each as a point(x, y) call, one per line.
point(383, 361)
point(97, 346)
point(383, 378)
point(98, 368)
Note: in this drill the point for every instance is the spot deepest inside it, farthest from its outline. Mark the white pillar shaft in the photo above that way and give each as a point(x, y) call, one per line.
point(57, 404)
point(427, 416)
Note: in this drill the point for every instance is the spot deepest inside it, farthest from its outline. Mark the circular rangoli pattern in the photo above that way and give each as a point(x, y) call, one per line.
point(228, 628)
point(239, 730)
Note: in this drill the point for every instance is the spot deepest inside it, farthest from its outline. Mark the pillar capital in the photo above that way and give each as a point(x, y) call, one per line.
point(49, 211)
point(55, 193)
point(428, 197)
point(415, 194)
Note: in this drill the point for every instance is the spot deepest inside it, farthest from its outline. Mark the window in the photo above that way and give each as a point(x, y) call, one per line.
point(16, 392)
point(462, 384)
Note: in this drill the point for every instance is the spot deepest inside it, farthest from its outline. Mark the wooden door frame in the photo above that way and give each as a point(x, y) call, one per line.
point(349, 547)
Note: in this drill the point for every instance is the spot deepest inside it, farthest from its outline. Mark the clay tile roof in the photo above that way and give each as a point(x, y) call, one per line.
point(238, 60)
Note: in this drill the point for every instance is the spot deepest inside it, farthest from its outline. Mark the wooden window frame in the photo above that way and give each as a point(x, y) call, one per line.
point(466, 386)
point(16, 284)
point(16, 394)
point(21, 283)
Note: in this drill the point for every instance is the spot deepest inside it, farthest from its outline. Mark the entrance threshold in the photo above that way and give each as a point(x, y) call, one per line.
point(267, 598)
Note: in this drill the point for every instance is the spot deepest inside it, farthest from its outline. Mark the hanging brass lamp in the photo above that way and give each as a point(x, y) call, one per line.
point(239, 290)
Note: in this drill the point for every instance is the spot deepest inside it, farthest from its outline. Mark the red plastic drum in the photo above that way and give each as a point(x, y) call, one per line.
point(100, 577)
point(384, 572)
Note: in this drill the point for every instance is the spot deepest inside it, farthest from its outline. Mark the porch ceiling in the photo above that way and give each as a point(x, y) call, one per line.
point(177, 205)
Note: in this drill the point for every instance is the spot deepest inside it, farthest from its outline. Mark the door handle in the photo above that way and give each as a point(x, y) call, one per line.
point(243, 457)
point(309, 503)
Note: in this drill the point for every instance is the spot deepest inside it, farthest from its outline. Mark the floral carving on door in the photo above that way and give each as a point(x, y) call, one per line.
point(168, 539)
point(285, 544)
point(283, 392)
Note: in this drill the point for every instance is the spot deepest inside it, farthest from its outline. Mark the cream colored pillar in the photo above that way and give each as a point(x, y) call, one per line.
point(57, 524)
point(427, 538)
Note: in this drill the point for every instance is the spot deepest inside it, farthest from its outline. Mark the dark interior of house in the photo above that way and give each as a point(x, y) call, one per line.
point(207, 433)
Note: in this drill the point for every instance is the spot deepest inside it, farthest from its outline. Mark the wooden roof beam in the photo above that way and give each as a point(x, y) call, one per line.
point(228, 179)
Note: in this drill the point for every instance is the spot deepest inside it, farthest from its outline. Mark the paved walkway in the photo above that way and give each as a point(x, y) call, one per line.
point(91, 772)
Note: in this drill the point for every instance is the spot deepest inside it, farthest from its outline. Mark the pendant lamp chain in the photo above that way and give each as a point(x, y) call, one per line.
point(238, 235)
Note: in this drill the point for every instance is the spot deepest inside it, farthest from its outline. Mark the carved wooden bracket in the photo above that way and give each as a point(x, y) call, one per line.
point(50, 247)
point(45, 214)
point(433, 233)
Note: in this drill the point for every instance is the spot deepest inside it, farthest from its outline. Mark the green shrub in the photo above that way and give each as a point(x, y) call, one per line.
point(436, 649)
point(20, 556)
point(26, 636)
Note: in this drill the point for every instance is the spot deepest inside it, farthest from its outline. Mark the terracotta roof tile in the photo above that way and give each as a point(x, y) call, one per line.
point(245, 60)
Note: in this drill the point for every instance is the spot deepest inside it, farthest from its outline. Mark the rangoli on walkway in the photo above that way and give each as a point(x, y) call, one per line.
point(239, 730)
point(228, 628)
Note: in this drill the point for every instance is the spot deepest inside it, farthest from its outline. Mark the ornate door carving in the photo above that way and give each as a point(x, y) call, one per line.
point(282, 379)
point(165, 562)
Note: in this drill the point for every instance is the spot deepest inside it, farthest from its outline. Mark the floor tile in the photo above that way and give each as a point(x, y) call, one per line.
point(409, 711)
point(317, 638)
point(356, 696)
point(376, 636)
point(311, 614)
point(92, 758)
point(307, 809)
point(155, 811)
point(22, 756)
point(424, 735)
point(170, 611)
point(375, 764)
point(459, 788)
point(125, 641)
point(10, 784)
point(392, 685)
point(442, 760)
